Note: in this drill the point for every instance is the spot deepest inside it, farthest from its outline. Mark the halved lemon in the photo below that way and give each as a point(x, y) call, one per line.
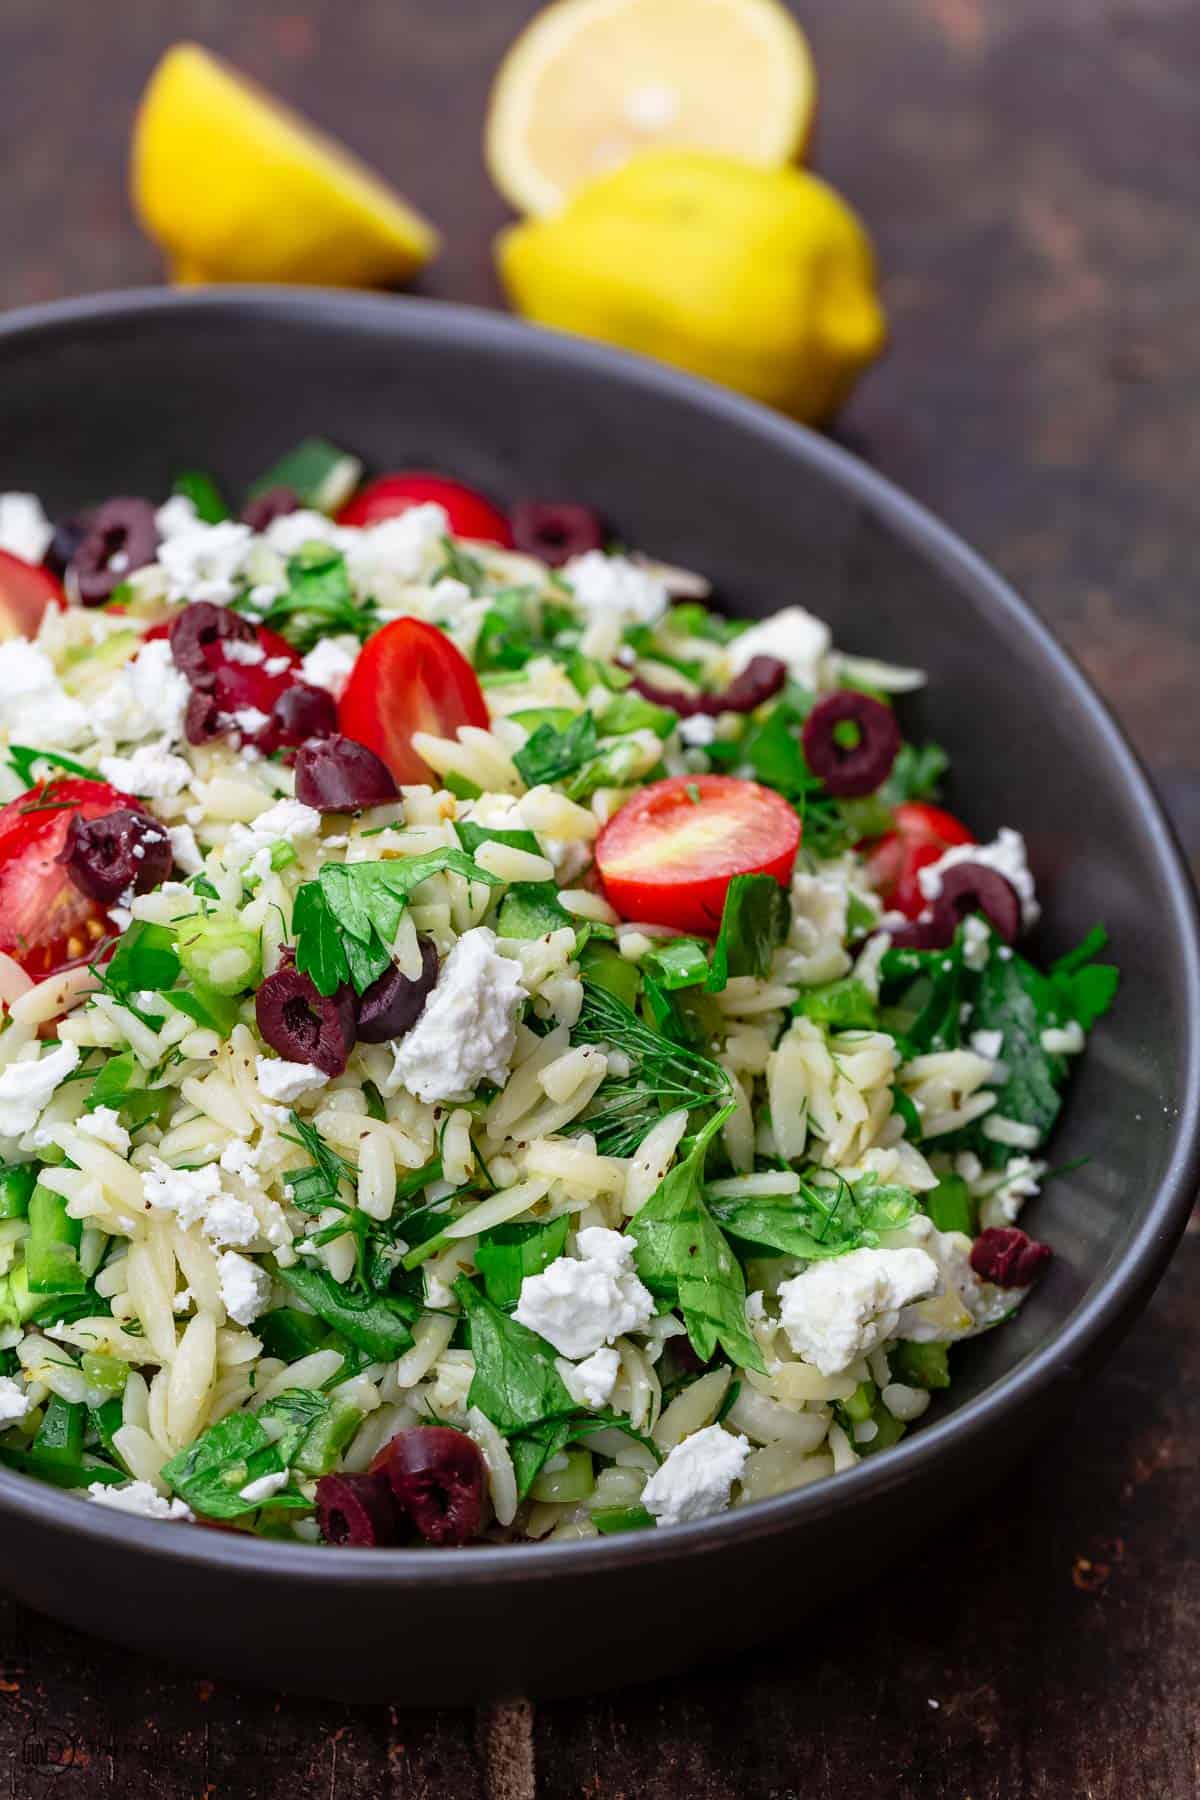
point(590, 82)
point(234, 187)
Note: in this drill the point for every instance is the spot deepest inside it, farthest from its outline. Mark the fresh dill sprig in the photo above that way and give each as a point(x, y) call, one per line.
point(662, 1076)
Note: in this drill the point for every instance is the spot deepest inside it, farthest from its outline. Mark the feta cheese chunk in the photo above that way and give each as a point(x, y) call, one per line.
point(329, 664)
point(612, 587)
point(580, 1303)
point(287, 822)
point(287, 1081)
point(792, 636)
point(697, 1477)
point(467, 1031)
point(33, 707)
point(26, 1088)
point(196, 1197)
point(1005, 854)
point(265, 1486)
point(14, 1401)
point(591, 1381)
point(151, 772)
point(140, 1498)
point(245, 1288)
point(404, 549)
point(25, 531)
point(204, 562)
point(185, 850)
point(104, 1127)
point(843, 1308)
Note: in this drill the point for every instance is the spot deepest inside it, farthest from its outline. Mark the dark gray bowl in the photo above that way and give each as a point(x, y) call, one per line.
point(113, 395)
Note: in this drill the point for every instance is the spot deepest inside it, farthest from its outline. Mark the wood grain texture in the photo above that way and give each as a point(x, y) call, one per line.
point(1029, 173)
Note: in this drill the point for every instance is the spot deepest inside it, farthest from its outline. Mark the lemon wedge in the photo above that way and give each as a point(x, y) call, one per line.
point(590, 82)
point(234, 187)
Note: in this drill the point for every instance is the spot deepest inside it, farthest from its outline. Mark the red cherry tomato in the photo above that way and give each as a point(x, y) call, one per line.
point(922, 836)
point(409, 677)
point(46, 924)
point(471, 516)
point(25, 592)
point(668, 856)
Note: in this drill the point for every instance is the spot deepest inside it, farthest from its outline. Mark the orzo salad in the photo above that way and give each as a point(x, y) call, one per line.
point(493, 1048)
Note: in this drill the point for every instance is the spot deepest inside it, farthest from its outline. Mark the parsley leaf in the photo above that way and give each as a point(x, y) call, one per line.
point(916, 774)
point(755, 921)
point(550, 755)
point(684, 1260)
point(145, 958)
point(516, 1384)
point(345, 921)
point(376, 1323)
point(663, 1075)
point(318, 600)
point(1083, 988)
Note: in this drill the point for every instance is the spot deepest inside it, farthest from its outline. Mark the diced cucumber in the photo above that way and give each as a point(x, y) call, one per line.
point(16, 1185)
point(609, 1520)
point(60, 1435)
point(843, 1005)
point(921, 1365)
point(633, 712)
point(951, 1207)
point(52, 1247)
point(326, 1439)
point(574, 1482)
point(318, 473)
point(531, 909)
point(220, 952)
point(107, 1374)
point(204, 495)
point(533, 716)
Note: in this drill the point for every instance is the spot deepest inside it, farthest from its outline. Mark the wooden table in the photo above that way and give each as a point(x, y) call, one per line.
point(1029, 170)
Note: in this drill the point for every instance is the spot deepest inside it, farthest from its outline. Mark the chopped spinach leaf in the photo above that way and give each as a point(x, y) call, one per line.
point(516, 1384)
point(550, 755)
point(506, 1254)
point(755, 921)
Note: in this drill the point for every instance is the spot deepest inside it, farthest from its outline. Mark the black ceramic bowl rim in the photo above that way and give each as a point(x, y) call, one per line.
point(1104, 1312)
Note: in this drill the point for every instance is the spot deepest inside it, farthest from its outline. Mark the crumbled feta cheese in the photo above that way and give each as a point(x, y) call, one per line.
point(196, 1197)
point(240, 1158)
point(291, 531)
point(140, 1498)
point(468, 1030)
point(33, 707)
point(262, 1489)
point(185, 851)
point(203, 562)
point(176, 515)
point(250, 720)
point(844, 1307)
point(977, 942)
point(698, 731)
point(792, 636)
point(249, 654)
point(105, 1127)
point(160, 689)
point(404, 548)
point(697, 1477)
point(287, 822)
point(151, 772)
point(1005, 854)
point(287, 1081)
point(987, 1044)
point(591, 1381)
point(26, 1088)
point(25, 531)
point(1021, 1181)
point(580, 1303)
point(245, 1288)
point(612, 587)
point(329, 664)
point(14, 1401)
point(1064, 1040)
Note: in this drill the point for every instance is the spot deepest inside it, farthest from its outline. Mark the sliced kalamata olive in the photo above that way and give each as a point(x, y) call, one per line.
point(969, 887)
point(762, 677)
point(556, 530)
point(338, 774)
point(357, 1509)
point(438, 1479)
point(122, 849)
point(302, 712)
point(68, 535)
point(203, 719)
point(393, 1004)
point(304, 1025)
point(919, 934)
point(200, 625)
point(1008, 1257)
point(264, 509)
point(862, 762)
point(122, 537)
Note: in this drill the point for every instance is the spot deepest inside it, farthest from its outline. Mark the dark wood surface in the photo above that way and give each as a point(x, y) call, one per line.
point(1030, 171)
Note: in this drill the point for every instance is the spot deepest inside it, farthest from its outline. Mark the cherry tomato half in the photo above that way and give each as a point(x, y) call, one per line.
point(46, 924)
point(922, 836)
point(668, 856)
point(471, 516)
point(409, 677)
point(25, 592)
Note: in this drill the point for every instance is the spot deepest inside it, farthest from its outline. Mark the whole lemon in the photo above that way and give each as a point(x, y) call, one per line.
point(762, 279)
